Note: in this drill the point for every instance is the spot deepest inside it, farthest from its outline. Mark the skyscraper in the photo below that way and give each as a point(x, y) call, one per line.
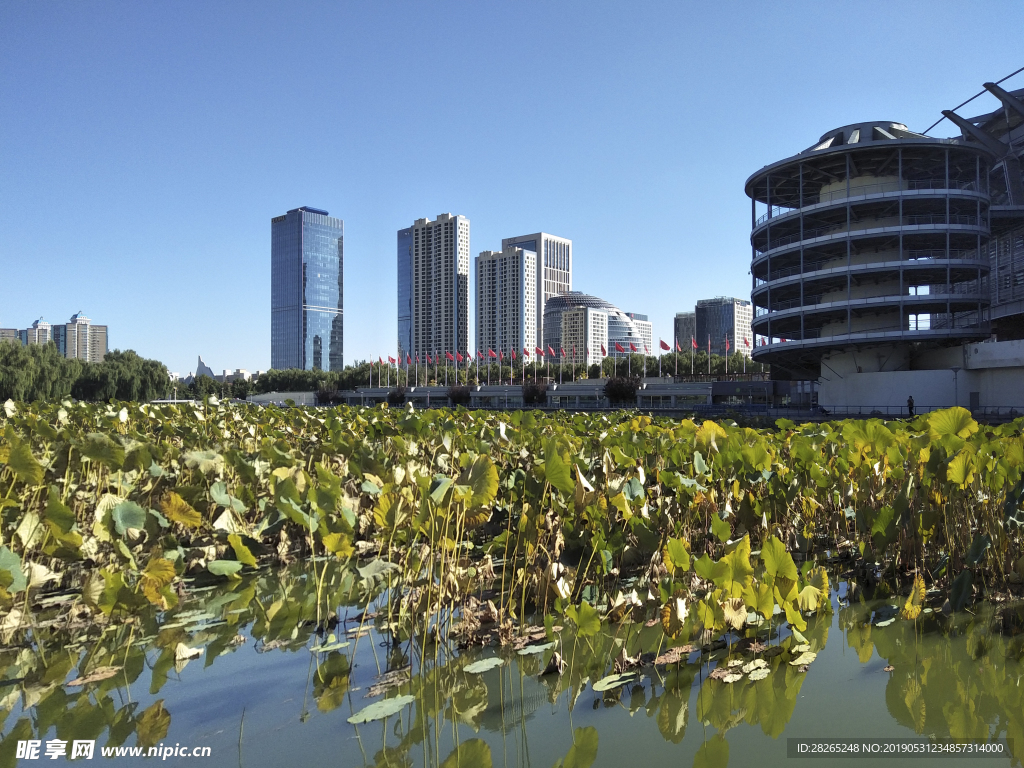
point(307, 250)
point(685, 329)
point(554, 268)
point(724, 318)
point(506, 304)
point(433, 286)
point(39, 332)
point(80, 339)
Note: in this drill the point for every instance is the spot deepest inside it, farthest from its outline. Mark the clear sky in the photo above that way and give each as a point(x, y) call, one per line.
point(145, 146)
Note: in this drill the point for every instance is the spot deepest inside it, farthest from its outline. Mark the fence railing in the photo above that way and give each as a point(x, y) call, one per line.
point(841, 229)
point(864, 190)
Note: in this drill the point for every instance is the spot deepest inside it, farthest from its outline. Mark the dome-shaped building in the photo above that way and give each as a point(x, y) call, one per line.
point(867, 247)
point(621, 327)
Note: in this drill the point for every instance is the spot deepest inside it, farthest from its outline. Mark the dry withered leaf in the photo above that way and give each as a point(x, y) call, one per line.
point(100, 673)
point(674, 655)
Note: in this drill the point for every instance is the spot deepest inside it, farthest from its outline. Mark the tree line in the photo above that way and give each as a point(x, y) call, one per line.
point(40, 372)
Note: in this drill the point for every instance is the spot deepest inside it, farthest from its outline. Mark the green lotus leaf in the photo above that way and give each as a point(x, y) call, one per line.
point(381, 709)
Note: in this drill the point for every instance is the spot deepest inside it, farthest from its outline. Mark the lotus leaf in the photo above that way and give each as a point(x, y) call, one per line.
point(483, 665)
point(381, 709)
point(615, 681)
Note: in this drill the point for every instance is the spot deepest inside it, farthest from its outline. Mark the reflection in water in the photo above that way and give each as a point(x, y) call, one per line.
point(956, 678)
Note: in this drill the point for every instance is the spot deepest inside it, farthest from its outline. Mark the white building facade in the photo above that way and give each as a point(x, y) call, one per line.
point(585, 331)
point(646, 331)
point(439, 283)
point(554, 268)
point(506, 300)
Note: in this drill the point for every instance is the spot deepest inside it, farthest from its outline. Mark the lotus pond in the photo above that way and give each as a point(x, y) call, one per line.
point(273, 688)
point(402, 587)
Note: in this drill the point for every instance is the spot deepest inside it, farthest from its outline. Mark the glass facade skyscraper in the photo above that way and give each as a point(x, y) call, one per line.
point(307, 248)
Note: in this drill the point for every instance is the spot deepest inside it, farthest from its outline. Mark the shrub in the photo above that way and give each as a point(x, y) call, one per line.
point(396, 396)
point(458, 395)
point(535, 394)
point(622, 389)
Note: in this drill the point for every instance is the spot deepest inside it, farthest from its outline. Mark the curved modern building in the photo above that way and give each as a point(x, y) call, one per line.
point(869, 247)
point(621, 327)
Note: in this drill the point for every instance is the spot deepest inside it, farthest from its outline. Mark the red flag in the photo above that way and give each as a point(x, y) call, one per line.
point(726, 343)
point(539, 351)
point(449, 356)
point(417, 359)
point(526, 353)
point(490, 353)
point(408, 359)
point(694, 342)
point(380, 360)
point(663, 344)
point(678, 348)
point(647, 350)
point(604, 352)
point(746, 342)
point(501, 355)
point(513, 354)
point(391, 359)
point(480, 354)
point(551, 351)
point(562, 350)
point(632, 346)
point(618, 347)
point(458, 356)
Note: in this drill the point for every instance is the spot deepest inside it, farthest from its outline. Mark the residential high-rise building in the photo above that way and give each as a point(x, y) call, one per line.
point(554, 269)
point(506, 305)
point(307, 257)
point(585, 332)
point(405, 241)
point(10, 334)
point(40, 332)
point(724, 318)
point(80, 339)
point(684, 329)
point(434, 275)
point(646, 330)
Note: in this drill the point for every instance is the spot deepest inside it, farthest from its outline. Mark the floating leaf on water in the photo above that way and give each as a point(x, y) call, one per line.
point(100, 673)
point(615, 681)
point(885, 623)
point(803, 659)
point(798, 649)
point(754, 665)
point(381, 709)
point(224, 567)
point(759, 674)
point(483, 665)
point(536, 648)
point(735, 662)
point(732, 677)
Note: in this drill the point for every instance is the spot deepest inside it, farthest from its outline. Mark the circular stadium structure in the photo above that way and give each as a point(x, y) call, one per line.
point(621, 327)
point(869, 246)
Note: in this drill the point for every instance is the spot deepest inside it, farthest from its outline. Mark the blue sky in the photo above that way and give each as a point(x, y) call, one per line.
point(144, 147)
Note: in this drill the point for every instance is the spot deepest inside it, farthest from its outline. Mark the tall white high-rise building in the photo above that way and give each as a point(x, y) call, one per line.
point(40, 332)
point(585, 332)
point(80, 339)
point(506, 300)
point(554, 268)
point(433, 276)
